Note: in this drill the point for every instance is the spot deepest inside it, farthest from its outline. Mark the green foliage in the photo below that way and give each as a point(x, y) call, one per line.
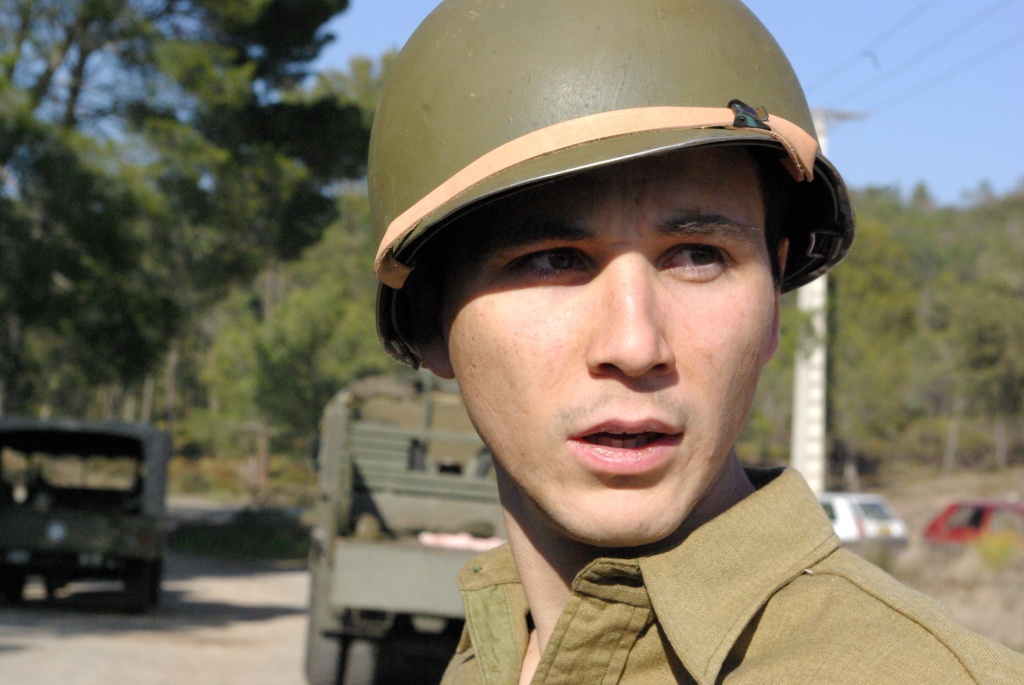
point(205, 72)
point(78, 265)
point(765, 436)
point(874, 306)
point(987, 330)
point(926, 345)
point(360, 85)
point(175, 236)
point(322, 335)
point(153, 159)
point(930, 329)
point(254, 534)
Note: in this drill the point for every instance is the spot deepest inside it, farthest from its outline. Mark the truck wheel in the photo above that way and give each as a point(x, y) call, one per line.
point(360, 661)
point(323, 644)
point(155, 579)
point(323, 657)
point(138, 585)
point(12, 585)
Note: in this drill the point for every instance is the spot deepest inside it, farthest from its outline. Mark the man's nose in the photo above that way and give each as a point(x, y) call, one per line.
point(627, 332)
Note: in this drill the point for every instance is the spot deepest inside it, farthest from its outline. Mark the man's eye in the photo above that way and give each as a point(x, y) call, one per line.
point(697, 256)
point(550, 261)
point(696, 262)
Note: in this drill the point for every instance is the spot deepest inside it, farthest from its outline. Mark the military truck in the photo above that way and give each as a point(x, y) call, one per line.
point(82, 500)
point(405, 497)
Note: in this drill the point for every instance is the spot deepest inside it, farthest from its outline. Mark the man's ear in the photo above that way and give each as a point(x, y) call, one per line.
point(434, 355)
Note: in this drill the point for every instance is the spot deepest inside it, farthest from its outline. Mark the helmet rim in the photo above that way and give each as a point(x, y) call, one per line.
point(805, 262)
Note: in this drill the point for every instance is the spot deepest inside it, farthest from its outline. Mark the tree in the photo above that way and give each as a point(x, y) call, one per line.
point(74, 250)
point(283, 370)
point(361, 85)
point(320, 334)
point(874, 317)
point(151, 159)
point(988, 332)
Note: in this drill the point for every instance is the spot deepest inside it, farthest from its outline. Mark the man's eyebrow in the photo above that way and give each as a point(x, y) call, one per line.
point(531, 231)
point(709, 225)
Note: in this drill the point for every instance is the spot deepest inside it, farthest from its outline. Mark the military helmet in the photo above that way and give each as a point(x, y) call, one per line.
point(490, 96)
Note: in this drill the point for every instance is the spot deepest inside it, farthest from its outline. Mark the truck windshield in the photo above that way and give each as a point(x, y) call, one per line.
point(49, 469)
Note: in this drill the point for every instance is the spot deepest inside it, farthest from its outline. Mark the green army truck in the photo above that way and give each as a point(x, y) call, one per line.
point(405, 497)
point(82, 500)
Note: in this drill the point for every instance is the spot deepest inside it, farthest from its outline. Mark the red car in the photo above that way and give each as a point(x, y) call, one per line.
point(966, 521)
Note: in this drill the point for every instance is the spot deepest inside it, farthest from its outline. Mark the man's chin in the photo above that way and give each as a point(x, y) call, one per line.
point(624, 535)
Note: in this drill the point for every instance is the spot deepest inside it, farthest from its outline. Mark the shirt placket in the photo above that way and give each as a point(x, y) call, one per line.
point(606, 613)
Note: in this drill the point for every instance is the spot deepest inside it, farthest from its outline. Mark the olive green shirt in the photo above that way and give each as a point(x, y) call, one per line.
point(761, 594)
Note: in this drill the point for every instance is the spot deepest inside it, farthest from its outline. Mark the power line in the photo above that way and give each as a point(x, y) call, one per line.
point(955, 70)
point(930, 49)
point(869, 49)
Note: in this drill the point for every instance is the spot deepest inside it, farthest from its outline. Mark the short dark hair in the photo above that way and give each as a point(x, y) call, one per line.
point(776, 196)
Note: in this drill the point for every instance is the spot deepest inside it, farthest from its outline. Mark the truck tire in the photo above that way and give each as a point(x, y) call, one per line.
point(323, 657)
point(361, 656)
point(12, 586)
point(155, 580)
point(141, 577)
point(323, 645)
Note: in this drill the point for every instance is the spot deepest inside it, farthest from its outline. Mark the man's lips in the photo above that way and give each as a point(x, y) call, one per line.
point(628, 435)
point(626, 449)
point(623, 440)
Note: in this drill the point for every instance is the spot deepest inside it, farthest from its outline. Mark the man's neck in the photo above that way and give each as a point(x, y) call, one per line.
point(547, 562)
point(546, 568)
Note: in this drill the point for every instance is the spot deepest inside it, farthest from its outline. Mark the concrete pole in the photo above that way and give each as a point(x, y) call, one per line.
point(808, 442)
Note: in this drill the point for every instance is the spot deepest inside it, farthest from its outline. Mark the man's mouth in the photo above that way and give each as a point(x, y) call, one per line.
point(623, 440)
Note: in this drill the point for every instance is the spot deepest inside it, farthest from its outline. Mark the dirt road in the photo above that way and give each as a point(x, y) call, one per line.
point(227, 623)
point(219, 624)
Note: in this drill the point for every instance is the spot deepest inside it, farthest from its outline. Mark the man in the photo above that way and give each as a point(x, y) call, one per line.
point(590, 209)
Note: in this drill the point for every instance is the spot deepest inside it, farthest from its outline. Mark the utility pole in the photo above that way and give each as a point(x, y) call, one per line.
point(808, 441)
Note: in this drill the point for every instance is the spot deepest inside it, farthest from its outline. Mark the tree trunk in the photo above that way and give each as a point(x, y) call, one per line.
point(53, 62)
point(148, 391)
point(261, 471)
point(11, 341)
point(75, 88)
point(1002, 444)
point(128, 407)
point(271, 291)
point(170, 387)
point(851, 477)
point(105, 402)
point(953, 437)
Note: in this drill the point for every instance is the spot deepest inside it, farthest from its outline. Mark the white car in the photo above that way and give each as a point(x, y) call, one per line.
point(860, 517)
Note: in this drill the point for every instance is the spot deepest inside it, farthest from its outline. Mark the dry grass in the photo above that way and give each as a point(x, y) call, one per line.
point(291, 481)
point(982, 585)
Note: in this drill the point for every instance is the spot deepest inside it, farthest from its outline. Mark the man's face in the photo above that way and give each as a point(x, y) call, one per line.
point(607, 332)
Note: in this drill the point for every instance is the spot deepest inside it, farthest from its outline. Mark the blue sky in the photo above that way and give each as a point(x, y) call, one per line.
point(941, 82)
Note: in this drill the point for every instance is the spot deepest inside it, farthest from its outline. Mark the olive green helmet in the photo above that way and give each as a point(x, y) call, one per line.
point(489, 96)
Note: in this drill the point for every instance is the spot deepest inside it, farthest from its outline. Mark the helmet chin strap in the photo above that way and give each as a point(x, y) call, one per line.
point(800, 146)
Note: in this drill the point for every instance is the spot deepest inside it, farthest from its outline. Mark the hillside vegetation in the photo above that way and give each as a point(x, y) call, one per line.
point(184, 239)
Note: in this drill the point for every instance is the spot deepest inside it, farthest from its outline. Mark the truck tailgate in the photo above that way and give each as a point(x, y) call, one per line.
point(401, 576)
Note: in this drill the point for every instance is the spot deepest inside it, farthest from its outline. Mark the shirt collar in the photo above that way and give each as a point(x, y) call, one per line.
point(706, 590)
